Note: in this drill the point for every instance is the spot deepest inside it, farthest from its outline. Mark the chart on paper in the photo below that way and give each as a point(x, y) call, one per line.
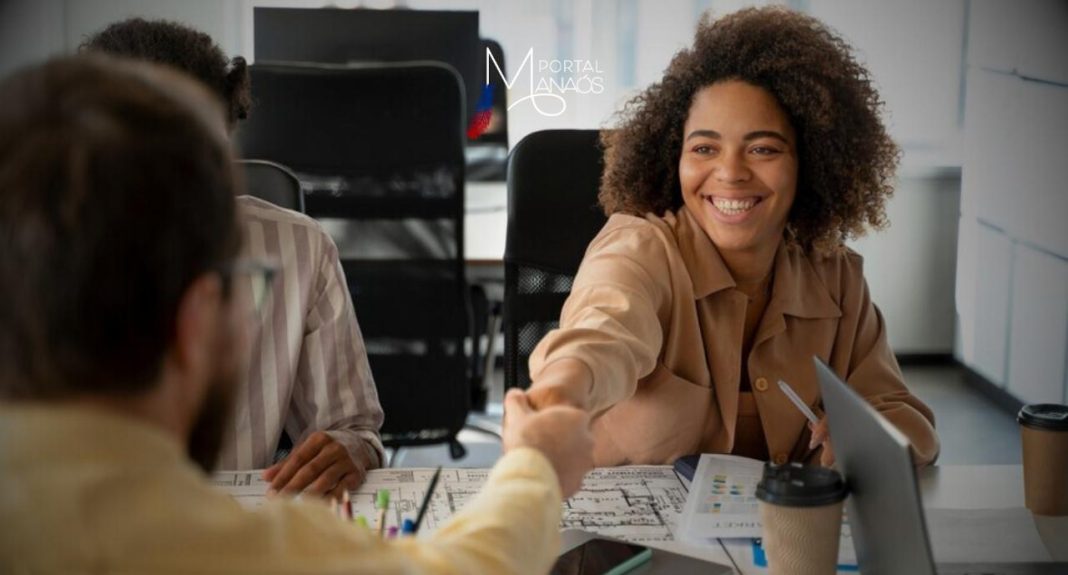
point(723, 501)
point(637, 503)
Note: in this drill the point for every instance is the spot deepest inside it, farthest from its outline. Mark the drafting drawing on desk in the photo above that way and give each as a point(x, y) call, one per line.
point(636, 503)
point(407, 488)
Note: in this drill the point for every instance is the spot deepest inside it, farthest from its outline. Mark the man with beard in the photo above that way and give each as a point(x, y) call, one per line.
point(122, 338)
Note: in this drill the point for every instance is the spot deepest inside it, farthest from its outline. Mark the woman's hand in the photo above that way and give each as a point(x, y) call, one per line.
point(564, 382)
point(561, 433)
point(821, 437)
point(548, 395)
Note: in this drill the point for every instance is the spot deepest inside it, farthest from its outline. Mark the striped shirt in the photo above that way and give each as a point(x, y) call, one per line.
point(308, 370)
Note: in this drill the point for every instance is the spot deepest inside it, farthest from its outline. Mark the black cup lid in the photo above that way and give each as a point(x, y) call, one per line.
point(1049, 416)
point(796, 485)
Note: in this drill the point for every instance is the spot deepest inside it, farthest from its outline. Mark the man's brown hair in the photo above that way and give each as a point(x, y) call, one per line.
point(116, 192)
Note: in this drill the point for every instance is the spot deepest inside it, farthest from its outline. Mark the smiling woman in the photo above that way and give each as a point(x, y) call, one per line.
point(846, 160)
point(730, 186)
point(738, 170)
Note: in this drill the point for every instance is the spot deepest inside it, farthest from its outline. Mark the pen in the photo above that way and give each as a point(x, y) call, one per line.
point(796, 400)
point(426, 500)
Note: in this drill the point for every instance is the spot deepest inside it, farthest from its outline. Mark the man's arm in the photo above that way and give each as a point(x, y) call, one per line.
point(510, 527)
point(334, 413)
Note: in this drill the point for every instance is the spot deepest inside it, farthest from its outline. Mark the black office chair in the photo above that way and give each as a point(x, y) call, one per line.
point(553, 214)
point(379, 149)
point(273, 182)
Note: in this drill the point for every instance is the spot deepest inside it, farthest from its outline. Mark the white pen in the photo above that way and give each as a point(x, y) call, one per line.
point(790, 393)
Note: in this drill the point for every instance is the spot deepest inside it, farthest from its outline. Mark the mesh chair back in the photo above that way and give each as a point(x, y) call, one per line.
point(553, 214)
point(379, 150)
point(274, 183)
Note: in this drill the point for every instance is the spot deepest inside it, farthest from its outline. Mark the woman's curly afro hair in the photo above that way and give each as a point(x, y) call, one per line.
point(846, 160)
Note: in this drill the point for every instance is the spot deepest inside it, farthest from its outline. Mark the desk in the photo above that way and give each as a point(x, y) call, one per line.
point(485, 223)
point(953, 487)
point(989, 487)
point(956, 487)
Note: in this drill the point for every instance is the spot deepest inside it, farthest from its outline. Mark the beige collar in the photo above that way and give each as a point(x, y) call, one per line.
point(797, 290)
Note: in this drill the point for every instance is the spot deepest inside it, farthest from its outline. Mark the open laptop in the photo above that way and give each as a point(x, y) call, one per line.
point(884, 508)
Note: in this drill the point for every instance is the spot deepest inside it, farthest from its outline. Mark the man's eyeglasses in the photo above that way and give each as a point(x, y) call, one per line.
point(260, 275)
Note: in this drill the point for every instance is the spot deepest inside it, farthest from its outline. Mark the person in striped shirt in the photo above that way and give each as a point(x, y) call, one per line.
point(308, 375)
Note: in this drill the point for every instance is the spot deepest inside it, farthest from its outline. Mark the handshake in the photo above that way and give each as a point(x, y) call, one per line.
point(560, 432)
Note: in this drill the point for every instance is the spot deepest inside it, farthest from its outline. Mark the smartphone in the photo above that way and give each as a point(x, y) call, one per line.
point(601, 557)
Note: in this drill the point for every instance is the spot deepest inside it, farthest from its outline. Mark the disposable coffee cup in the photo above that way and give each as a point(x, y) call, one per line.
point(1044, 431)
point(801, 514)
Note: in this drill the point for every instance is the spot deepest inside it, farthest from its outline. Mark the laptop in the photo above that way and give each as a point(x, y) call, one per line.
point(884, 508)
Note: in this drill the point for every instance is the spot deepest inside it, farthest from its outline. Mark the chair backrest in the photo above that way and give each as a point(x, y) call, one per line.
point(553, 214)
point(274, 183)
point(379, 150)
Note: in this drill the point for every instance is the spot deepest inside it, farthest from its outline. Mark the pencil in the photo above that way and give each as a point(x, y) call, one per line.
point(426, 500)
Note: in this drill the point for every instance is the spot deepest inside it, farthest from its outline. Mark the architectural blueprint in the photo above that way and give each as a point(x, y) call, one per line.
point(637, 503)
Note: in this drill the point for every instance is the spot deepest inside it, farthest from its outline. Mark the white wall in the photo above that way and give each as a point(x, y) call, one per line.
point(29, 32)
point(913, 49)
point(1012, 278)
point(33, 30)
point(911, 266)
